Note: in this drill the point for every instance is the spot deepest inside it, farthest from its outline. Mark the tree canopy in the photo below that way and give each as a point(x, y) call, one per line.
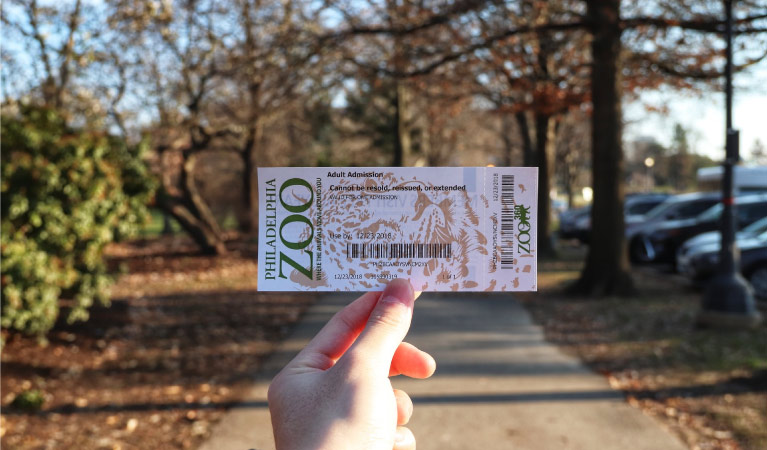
point(389, 79)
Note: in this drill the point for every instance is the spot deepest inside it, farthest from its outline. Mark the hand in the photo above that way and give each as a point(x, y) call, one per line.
point(336, 394)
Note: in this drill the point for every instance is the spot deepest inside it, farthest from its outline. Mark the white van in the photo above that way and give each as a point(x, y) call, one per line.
point(745, 179)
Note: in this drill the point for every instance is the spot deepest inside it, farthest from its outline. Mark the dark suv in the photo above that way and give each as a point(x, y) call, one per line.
point(678, 207)
point(635, 205)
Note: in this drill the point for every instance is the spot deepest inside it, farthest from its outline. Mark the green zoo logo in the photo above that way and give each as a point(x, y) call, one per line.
point(298, 218)
point(522, 213)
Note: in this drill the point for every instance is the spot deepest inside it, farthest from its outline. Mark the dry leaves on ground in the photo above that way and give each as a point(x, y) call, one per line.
point(708, 386)
point(183, 337)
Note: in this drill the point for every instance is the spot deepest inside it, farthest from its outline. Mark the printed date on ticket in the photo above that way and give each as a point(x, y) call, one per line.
point(355, 229)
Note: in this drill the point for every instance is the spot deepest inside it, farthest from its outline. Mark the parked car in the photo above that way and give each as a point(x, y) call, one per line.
point(568, 219)
point(662, 243)
point(678, 207)
point(703, 263)
point(634, 206)
point(710, 242)
point(637, 205)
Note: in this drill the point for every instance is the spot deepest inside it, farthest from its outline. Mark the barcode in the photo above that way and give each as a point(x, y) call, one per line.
point(507, 221)
point(398, 250)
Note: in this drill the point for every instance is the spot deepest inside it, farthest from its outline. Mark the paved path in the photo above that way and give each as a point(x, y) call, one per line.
point(498, 385)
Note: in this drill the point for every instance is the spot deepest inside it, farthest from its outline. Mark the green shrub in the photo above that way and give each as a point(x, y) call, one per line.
point(31, 400)
point(66, 194)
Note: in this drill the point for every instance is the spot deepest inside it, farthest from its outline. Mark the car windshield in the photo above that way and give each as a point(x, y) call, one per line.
point(642, 207)
point(710, 214)
point(758, 227)
point(662, 208)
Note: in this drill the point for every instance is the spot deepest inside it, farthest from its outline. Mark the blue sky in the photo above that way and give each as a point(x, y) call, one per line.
point(701, 114)
point(704, 116)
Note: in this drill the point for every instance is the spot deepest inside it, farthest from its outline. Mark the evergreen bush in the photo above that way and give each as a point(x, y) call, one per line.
point(66, 194)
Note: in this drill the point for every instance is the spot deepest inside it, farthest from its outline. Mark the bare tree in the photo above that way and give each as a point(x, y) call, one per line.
point(670, 30)
point(656, 26)
point(276, 58)
point(540, 77)
point(59, 55)
point(572, 153)
point(758, 153)
point(180, 65)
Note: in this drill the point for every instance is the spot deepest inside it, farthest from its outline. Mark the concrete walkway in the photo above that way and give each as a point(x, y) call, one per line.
point(498, 385)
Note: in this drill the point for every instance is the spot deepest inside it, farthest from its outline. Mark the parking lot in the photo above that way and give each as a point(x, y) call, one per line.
point(680, 234)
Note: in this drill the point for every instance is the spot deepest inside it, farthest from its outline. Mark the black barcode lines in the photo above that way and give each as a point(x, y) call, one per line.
point(507, 221)
point(394, 250)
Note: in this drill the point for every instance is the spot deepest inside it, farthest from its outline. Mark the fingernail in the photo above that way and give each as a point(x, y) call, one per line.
point(398, 291)
point(400, 436)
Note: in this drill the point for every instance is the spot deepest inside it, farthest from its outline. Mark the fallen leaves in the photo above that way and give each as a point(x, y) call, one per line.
point(709, 387)
point(181, 342)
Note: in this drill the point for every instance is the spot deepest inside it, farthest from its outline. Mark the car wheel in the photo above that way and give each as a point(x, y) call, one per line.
point(758, 279)
point(641, 250)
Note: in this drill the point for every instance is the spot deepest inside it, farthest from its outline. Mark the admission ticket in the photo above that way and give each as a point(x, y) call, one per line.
point(354, 229)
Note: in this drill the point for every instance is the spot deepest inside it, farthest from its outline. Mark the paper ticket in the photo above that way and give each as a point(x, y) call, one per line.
point(355, 229)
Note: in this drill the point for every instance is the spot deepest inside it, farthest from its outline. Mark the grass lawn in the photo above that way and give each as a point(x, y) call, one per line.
point(154, 226)
point(708, 386)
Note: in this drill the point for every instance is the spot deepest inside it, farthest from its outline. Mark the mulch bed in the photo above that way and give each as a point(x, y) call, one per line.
point(707, 386)
point(180, 343)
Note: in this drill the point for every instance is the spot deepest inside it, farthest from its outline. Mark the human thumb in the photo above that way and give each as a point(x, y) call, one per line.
point(386, 327)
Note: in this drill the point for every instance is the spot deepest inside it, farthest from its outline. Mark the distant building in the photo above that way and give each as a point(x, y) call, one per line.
point(745, 179)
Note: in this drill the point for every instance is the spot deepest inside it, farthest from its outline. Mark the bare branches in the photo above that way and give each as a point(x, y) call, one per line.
point(122, 87)
point(481, 44)
point(440, 18)
point(702, 24)
point(67, 49)
point(672, 67)
point(33, 12)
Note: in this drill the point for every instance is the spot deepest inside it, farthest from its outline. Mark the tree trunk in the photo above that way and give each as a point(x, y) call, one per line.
point(203, 236)
point(528, 153)
point(402, 142)
point(508, 144)
point(249, 223)
point(182, 208)
point(569, 188)
point(193, 196)
point(607, 265)
point(545, 126)
point(249, 179)
point(569, 171)
point(167, 228)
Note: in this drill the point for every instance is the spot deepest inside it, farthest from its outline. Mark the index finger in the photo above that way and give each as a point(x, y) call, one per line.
point(337, 335)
